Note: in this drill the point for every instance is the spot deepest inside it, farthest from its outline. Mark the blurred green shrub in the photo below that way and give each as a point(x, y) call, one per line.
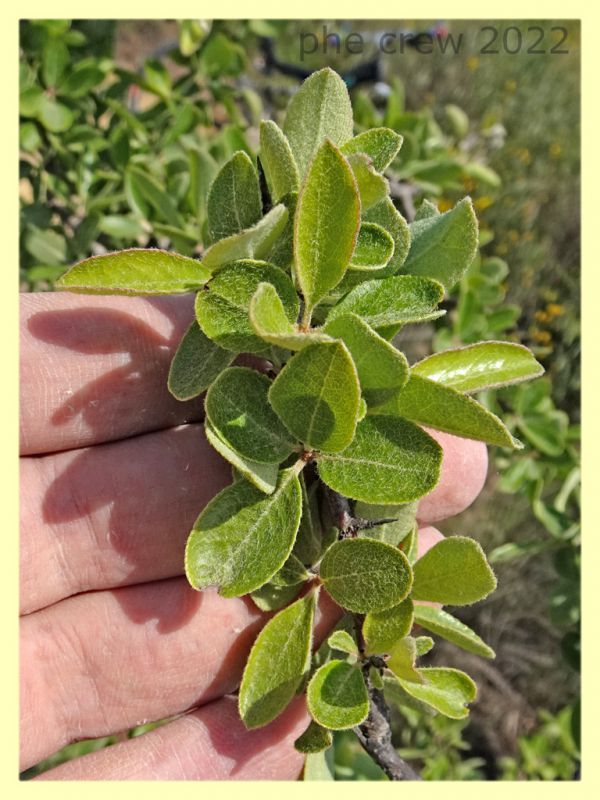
point(113, 158)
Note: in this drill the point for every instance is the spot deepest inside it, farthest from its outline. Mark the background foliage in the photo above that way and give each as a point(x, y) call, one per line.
point(124, 125)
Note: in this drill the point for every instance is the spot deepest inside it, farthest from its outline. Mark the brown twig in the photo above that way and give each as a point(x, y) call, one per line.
point(375, 735)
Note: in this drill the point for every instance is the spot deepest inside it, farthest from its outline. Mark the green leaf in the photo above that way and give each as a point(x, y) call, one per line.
point(426, 210)
point(271, 598)
point(55, 59)
point(395, 693)
point(423, 644)
point(120, 226)
point(317, 395)
point(364, 575)
point(156, 195)
point(485, 365)
point(454, 572)
point(196, 364)
point(79, 82)
point(292, 573)
point(337, 697)
point(202, 169)
point(234, 203)
point(222, 309)
point(447, 690)
point(401, 661)
point(271, 323)
point(326, 225)
point(448, 627)
point(319, 766)
point(315, 739)
point(242, 538)
point(277, 160)
point(442, 246)
point(389, 461)
point(319, 110)
point(430, 403)
point(382, 629)
point(310, 540)
point(278, 661)
point(238, 410)
point(374, 248)
point(341, 640)
point(385, 214)
point(255, 242)
point(54, 116)
point(372, 187)
point(137, 272)
point(380, 144)
point(282, 251)
point(397, 300)
point(263, 476)
point(382, 370)
point(46, 246)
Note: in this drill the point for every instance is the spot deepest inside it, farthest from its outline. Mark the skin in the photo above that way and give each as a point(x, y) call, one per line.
point(113, 473)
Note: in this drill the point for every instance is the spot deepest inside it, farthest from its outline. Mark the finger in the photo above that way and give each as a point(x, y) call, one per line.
point(113, 514)
point(102, 662)
point(208, 744)
point(94, 369)
point(464, 470)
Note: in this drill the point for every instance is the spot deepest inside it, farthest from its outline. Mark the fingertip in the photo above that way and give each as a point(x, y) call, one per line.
point(463, 474)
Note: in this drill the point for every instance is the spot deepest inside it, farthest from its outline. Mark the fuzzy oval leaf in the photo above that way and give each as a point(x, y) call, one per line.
point(374, 248)
point(222, 309)
point(372, 187)
point(234, 202)
point(380, 144)
point(401, 661)
point(430, 403)
point(443, 245)
point(314, 739)
point(319, 110)
point(271, 598)
point(238, 410)
point(447, 690)
point(363, 575)
point(195, 365)
point(481, 366)
point(453, 630)
point(263, 476)
point(382, 370)
point(242, 538)
point(390, 461)
point(277, 160)
point(270, 322)
point(326, 224)
point(278, 661)
point(255, 242)
point(317, 394)
point(388, 217)
point(453, 572)
point(396, 300)
point(135, 272)
point(341, 640)
point(337, 697)
point(382, 629)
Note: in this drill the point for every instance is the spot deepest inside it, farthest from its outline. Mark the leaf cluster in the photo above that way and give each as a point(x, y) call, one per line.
point(316, 283)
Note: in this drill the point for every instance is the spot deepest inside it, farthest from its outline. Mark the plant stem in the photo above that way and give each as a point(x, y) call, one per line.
point(375, 735)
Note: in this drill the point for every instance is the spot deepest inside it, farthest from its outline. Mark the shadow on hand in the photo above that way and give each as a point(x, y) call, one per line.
point(126, 399)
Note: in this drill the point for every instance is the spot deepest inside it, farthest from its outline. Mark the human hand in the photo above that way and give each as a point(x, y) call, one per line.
point(113, 474)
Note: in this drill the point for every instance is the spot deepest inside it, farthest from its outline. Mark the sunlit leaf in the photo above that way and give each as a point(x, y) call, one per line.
point(337, 696)
point(277, 663)
point(135, 271)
